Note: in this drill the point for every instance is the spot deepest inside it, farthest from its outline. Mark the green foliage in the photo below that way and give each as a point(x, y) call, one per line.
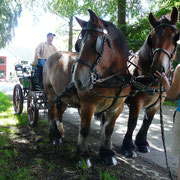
point(7, 157)
point(10, 11)
point(106, 175)
point(170, 103)
point(5, 102)
point(22, 119)
point(65, 8)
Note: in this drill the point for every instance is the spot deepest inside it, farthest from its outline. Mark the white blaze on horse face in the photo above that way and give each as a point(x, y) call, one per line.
point(73, 75)
point(82, 79)
point(160, 63)
point(76, 64)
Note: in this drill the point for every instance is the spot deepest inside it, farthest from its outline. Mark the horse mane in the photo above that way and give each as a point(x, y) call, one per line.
point(164, 19)
point(117, 37)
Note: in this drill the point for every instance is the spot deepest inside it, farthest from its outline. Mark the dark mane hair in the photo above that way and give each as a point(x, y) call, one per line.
point(117, 37)
point(164, 20)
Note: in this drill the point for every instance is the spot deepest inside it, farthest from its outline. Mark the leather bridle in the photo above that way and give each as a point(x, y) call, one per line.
point(100, 43)
point(170, 56)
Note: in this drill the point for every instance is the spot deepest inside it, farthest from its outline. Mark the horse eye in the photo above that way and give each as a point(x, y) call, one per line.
point(93, 44)
point(176, 37)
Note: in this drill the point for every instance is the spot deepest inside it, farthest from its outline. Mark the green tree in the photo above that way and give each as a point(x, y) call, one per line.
point(10, 11)
point(66, 9)
point(115, 11)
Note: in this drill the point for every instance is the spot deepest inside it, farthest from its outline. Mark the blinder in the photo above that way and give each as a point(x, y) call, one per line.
point(99, 45)
point(77, 45)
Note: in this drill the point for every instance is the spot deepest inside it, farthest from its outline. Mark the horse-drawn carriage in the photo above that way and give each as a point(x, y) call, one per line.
point(25, 91)
point(103, 83)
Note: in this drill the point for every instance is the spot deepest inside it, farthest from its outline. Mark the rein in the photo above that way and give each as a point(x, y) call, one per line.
point(162, 134)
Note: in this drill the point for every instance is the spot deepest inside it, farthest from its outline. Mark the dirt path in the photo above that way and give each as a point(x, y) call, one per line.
point(51, 163)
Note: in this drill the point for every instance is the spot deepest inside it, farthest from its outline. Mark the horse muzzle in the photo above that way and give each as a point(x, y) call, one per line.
point(160, 63)
point(82, 81)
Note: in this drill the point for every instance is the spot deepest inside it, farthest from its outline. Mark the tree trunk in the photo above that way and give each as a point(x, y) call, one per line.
point(122, 15)
point(70, 33)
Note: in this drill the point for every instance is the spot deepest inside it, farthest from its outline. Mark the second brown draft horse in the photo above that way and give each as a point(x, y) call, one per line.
point(157, 54)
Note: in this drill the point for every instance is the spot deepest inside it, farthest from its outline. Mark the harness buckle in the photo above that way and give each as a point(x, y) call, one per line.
point(93, 77)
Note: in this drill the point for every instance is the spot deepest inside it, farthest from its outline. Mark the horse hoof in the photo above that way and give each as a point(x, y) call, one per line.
point(128, 154)
point(144, 149)
point(54, 143)
point(85, 163)
point(109, 161)
point(114, 161)
point(57, 142)
point(107, 156)
point(60, 141)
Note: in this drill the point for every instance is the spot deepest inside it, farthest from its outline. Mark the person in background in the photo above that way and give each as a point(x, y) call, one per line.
point(43, 51)
point(173, 93)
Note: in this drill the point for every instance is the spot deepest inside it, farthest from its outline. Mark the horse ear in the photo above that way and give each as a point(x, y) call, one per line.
point(174, 15)
point(93, 17)
point(152, 20)
point(82, 23)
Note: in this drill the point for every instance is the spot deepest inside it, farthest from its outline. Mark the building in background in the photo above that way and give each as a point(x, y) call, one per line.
point(9, 56)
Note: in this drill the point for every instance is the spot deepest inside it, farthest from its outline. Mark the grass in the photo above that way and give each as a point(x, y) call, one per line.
point(106, 175)
point(8, 153)
point(170, 103)
point(5, 102)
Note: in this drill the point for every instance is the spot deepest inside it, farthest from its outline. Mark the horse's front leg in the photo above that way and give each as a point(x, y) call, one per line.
point(87, 112)
point(128, 148)
point(106, 153)
point(141, 138)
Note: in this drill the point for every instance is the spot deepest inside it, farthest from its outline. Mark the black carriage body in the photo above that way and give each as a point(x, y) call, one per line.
point(25, 91)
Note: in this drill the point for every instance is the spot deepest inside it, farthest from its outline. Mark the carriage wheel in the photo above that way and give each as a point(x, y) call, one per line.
point(32, 109)
point(18, 99)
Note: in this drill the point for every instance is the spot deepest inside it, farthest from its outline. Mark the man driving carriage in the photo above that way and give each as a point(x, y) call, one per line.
point(43, 51)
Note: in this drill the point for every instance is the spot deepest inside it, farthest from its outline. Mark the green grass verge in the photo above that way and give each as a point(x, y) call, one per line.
point(8, 153)
point(5, 102)
point(170, 103)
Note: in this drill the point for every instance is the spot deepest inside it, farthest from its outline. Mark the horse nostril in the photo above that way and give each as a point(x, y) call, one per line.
point(79, 84)
point(162, 69)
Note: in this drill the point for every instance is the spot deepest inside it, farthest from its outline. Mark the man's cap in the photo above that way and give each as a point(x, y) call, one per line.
point(49, 34)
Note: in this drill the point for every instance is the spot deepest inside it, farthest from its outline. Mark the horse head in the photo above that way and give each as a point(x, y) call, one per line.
point(162, 41)
point(98, 52)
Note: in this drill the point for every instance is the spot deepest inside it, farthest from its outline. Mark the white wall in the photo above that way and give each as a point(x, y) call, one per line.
point(11, 59)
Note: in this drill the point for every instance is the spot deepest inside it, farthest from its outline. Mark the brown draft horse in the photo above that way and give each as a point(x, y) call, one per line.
point(157, 53)
point(103, 55)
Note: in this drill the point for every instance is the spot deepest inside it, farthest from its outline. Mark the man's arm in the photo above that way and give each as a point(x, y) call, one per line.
point(35, 59)
point(37, 52)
